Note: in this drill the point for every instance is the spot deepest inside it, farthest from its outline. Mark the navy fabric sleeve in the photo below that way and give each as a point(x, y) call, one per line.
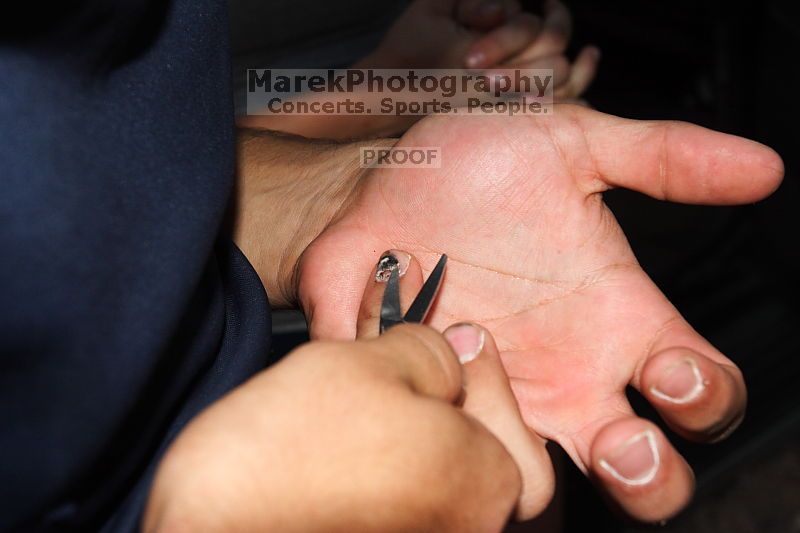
point(125, 309)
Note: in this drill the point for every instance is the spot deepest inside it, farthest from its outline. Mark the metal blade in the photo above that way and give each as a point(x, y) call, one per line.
point(422, 303)
point(391, 314)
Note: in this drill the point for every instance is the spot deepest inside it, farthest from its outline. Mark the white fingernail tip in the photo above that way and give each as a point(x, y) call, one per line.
point(648, 475)
point(470, 355)
point(699, 386)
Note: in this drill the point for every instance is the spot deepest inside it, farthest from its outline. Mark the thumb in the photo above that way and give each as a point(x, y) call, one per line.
point(490, 400)
point(675, 161)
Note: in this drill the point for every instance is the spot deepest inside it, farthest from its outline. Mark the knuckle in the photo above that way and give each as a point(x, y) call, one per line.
point(431, 353)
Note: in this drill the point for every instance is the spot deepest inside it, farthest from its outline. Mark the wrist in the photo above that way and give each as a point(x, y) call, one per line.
point(289, 189)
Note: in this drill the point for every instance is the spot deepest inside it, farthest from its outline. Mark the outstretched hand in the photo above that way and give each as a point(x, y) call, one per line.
point(539, 260)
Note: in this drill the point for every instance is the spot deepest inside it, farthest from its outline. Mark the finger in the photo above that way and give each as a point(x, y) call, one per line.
point(410, 283)
point(650, 484)
point(674, 161)
point(420, 358)
point(640, 470)
point(558, 64)
point(485, 14)
point(581, 75)
point(701, 399)
point(490, 400)
point(503, 42)
point(554, 35)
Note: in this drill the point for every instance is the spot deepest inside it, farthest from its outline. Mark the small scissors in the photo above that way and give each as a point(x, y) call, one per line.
point(391, 315)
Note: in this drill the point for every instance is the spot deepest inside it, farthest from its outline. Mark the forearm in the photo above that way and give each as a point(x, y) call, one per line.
point(288, 190)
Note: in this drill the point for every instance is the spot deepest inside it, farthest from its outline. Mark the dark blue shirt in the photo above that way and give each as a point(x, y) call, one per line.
point(125, 307)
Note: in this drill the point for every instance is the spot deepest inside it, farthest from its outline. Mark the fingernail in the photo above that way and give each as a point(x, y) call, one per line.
point(391, 260)
point(466, 340)
point(475, 59)
point(680, 383)
point(595, 51)
point(635, 461)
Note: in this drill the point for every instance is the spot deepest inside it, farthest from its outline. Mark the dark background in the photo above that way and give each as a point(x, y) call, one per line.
point(733, 272)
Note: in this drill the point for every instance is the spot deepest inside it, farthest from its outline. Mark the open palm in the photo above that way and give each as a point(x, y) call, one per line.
point(539, 260)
